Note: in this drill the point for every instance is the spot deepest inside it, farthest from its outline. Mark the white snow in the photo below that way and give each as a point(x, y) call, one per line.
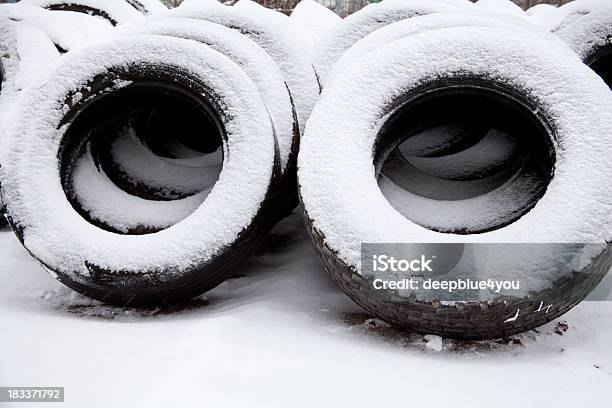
point(91, 28)
point(179, 176)
point(340, 191)
point(501, 6)
point(315, 16)
point(107, 203)
point(281, 335)
point(60, 237)
point(434, 343)
point(356, 26)
point(568, 13)
point(589, 33)
point(59, 30)
point(28, 52)
point(420, 24)
point(274, 33)
point(120, 11)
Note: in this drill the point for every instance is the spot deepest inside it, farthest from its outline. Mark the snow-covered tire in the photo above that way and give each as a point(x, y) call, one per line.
point(23, 50)
point(58, 28)
point(262, 69)
point(179, 262)
point(344, 206)
point(417, 25)
point(276, 35)
point(115, 11)
point(367, 20)
point(590, 36)
point(559, 17)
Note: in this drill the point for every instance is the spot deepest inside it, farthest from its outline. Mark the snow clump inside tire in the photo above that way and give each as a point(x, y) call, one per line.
point(94, 94)
point(559, 192)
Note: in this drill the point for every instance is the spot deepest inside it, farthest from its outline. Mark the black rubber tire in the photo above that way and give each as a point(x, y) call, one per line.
point(343, 205)
point(179, 280)
point(466, 320)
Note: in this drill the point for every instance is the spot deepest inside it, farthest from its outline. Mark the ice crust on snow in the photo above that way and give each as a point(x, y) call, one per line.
point(59, 237)
point(341, 195)
point(356, 26)
point(315, 16)
point(589, 33)
point(260, 67)
point(276, 35)
point(416, 25)
point(120, 11)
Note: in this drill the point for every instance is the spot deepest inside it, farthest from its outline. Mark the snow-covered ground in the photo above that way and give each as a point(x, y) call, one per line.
point(281, 335)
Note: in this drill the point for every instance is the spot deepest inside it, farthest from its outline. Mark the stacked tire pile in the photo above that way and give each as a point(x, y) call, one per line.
point(148, 162)
point(146, 152)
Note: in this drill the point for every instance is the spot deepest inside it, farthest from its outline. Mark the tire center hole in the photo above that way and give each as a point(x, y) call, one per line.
point(147, 154)
point(464, 159)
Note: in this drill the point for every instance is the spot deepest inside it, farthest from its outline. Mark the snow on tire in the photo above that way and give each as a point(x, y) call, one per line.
point(262, 69)
point(591, 38)
point(58, 26)
point(115, 11)
point(275, 34)
point(502, 6)
point(542, 92)
point(421, 24)
point(315, 17)
point(557, 19)
point(61, 118)
point(367, 20)
point(23, 50)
